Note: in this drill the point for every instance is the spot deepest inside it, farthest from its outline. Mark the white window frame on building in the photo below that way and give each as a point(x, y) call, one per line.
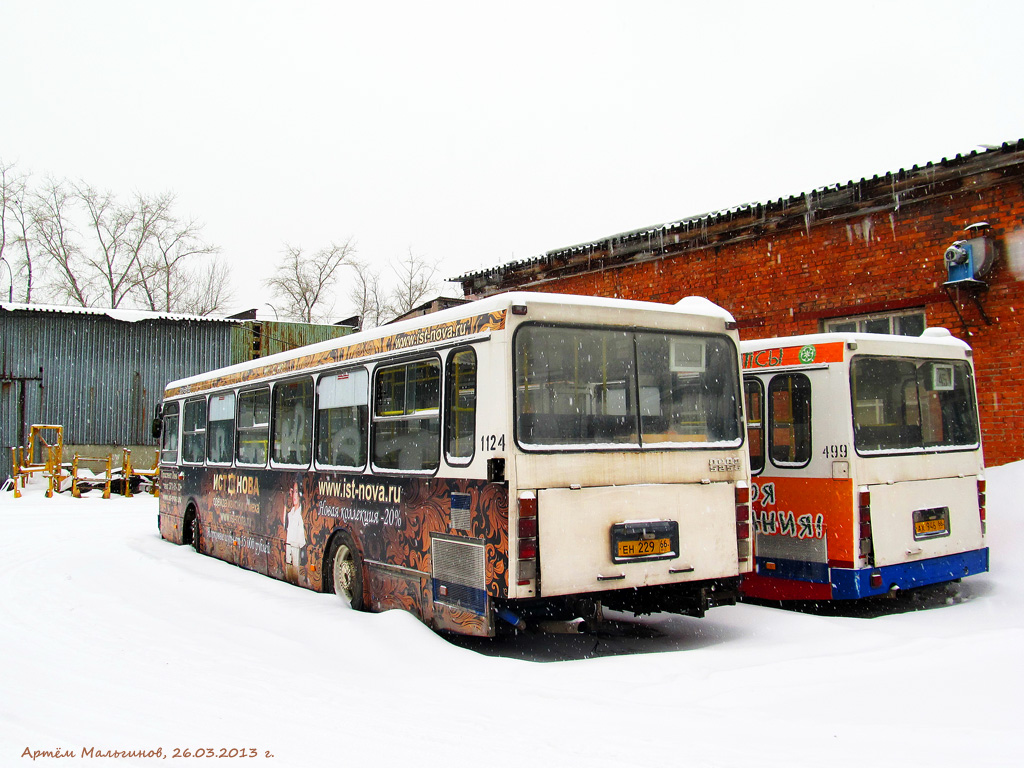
point(906, 322)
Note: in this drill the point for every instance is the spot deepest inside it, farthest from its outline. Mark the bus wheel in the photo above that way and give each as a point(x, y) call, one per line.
point(347, 572)
point(191, 533)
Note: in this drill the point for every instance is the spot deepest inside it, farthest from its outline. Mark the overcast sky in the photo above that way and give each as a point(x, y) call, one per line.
point(480, 133)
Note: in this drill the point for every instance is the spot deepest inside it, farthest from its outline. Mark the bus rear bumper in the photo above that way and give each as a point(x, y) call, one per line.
point(850, 584)
point(790, 580)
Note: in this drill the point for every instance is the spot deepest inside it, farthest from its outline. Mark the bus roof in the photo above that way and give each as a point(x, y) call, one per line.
point(463, 321)
point(932, 341)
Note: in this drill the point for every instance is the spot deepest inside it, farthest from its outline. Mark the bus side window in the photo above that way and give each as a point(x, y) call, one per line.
point(754, 392)
point(252, 428)
point(406, 416)
point(342, 411)
point(169, 444)
point(460, 401)
point(193, 438)
point(789, 402)
point(293, 420)
point(221, 434)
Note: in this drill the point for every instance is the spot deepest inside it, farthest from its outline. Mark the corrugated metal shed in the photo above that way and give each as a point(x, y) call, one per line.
point(99, 373)
point(258, 338)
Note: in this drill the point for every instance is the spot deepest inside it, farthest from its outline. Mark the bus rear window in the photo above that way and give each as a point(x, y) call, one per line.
point(905, 404)
point(604, 387)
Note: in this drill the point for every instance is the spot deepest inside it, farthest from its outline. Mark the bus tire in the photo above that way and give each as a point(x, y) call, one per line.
point(347, 571)
point(191, 533)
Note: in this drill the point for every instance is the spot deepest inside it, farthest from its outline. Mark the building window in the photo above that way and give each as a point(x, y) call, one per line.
point(906, 323)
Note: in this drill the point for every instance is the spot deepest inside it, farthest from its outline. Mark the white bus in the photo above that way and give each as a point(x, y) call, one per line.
point(867, 464)
point(519, 459)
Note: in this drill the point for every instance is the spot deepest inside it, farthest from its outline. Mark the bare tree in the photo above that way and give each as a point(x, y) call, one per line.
point(417, 279)
point(304, 282)
point(52, 217)
point(121, 232)
point(166, 280)
point(365, 292)
point(209, 289)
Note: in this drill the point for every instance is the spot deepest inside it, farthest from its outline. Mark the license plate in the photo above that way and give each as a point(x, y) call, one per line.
point(926, 527)
point(644, 547)
point(931, 523)
point(647, 540)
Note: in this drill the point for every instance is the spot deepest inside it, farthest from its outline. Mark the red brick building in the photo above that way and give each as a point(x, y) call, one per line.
point(867, 255)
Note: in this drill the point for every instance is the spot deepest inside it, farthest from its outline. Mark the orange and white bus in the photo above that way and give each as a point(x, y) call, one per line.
point(867, 464)
point(515, 460)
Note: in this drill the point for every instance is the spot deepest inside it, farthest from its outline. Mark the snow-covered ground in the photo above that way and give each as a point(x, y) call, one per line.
point(113, 639)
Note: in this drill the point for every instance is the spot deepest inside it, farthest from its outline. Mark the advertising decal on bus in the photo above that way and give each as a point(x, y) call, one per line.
point(433, 334)
point(280, 524)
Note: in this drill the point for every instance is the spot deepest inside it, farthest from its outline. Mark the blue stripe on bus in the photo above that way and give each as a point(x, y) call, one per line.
point(849, 584)
point(798, 570)
point(471, 599)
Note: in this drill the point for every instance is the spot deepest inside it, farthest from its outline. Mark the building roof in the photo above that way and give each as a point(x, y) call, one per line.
point(853, 197)
point(123, 315)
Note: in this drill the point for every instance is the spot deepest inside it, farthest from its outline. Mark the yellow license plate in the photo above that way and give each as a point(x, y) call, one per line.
point(643, 547)
point(929, 526)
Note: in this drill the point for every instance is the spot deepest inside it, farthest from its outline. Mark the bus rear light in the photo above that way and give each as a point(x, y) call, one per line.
point(527, 549)
point(876, 580)
point(743, 551)
point(527, 527)
point(981, 505)
point(865, 525)
point(743, 518)
point(527, 571)
point(742, 493)
point(528, 505)
point(527, 539)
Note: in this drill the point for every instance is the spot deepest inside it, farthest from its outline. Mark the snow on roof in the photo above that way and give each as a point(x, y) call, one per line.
point(122, 315)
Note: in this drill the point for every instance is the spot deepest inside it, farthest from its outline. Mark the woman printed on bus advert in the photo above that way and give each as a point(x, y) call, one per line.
point(295, 531)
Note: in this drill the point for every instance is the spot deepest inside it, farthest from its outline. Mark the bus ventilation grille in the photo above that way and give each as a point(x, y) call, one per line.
point(459, 573)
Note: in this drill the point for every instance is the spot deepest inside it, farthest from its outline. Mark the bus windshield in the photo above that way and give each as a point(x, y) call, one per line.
point(620, 388)
point(903, 404)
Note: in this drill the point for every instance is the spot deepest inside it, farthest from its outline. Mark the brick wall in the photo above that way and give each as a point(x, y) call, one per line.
point(871, 247)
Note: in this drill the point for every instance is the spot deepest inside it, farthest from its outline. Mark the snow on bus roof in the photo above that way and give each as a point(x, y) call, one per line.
point(693, 305)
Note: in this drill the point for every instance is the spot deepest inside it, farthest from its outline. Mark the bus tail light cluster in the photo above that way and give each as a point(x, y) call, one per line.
point(743, 521)
point(981, 505)
point(526, 544)
point(865, 525)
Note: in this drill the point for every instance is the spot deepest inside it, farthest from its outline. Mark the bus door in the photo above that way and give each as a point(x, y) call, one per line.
point(802, 499)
